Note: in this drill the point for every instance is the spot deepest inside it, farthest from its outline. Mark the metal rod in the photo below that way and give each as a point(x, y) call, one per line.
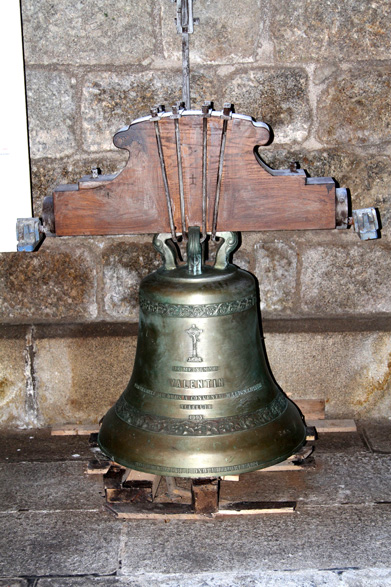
point(165, 182)
point(186, 71)
point(219, 176)
point(204, 173)
point(180, 175)
point(205, 111)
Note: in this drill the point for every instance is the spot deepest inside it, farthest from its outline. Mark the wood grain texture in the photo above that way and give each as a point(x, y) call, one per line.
point(252, 197)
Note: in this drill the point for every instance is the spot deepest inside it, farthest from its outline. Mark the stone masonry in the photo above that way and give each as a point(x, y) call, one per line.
point(319, 74)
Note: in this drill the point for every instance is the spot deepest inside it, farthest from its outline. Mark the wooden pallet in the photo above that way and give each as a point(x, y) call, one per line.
point(129, 497)
point(132, 494)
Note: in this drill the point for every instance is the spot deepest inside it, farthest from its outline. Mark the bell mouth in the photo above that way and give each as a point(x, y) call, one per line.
point(203, 456)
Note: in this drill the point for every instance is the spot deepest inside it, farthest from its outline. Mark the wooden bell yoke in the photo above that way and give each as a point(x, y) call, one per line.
point(197, 168)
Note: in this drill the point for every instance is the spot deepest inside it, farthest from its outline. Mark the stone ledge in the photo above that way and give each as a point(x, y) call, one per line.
point(126, 329)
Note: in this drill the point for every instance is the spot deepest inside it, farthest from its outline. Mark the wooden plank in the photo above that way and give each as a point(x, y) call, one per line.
point(177, 511)
point(253, 197)
point(74, 429)
point(96, 467)
point(153, 511)
point(246, 508)
point(325, 426)
point(296, 462)
point(284, 466)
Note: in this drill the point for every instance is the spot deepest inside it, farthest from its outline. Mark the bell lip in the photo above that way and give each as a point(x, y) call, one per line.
point(158, 470)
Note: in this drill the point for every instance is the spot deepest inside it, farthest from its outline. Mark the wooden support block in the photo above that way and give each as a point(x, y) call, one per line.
point(127, 486)
point(141, 482)
point(113, 478)
point(205, 495)
point(311, 434)
point(300, 456)
point(120, 495)
point(93, 439)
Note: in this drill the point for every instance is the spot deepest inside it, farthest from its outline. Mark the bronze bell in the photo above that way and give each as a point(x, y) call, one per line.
point(201, 401)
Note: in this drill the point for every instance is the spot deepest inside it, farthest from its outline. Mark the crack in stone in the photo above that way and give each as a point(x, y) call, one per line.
point(32, 410)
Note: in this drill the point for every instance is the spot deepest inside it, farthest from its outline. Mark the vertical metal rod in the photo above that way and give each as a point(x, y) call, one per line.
point(219, 176)
point(204, 173)
point(165, 182)
point(180, 175)
point(186, 71)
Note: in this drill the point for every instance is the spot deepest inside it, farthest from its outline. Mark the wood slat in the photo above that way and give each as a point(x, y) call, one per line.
point(176, 511)
point(323, 426)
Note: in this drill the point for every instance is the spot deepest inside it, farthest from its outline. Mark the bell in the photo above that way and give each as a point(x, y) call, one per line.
point(201, 401)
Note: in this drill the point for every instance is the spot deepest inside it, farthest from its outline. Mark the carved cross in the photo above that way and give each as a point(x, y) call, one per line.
point(194, 334)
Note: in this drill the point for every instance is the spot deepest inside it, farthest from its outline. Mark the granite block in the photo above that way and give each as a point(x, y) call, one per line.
point(91, 33)
point(51, 113)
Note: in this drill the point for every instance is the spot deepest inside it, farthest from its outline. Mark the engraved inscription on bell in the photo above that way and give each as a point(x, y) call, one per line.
point(194, 334)
point(196, 383)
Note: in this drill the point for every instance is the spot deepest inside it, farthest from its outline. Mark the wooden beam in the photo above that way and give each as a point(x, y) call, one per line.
point(252, 197)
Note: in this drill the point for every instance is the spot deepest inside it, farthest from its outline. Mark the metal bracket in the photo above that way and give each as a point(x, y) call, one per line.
point(229, 243)
point(341, 208)
point(366, 223)
point(177, 110)
point(227, 111)
point(166, 248)
point(29, 234)
point(184, 16)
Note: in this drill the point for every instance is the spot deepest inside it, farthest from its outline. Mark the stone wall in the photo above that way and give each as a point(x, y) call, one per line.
point(319, 74)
